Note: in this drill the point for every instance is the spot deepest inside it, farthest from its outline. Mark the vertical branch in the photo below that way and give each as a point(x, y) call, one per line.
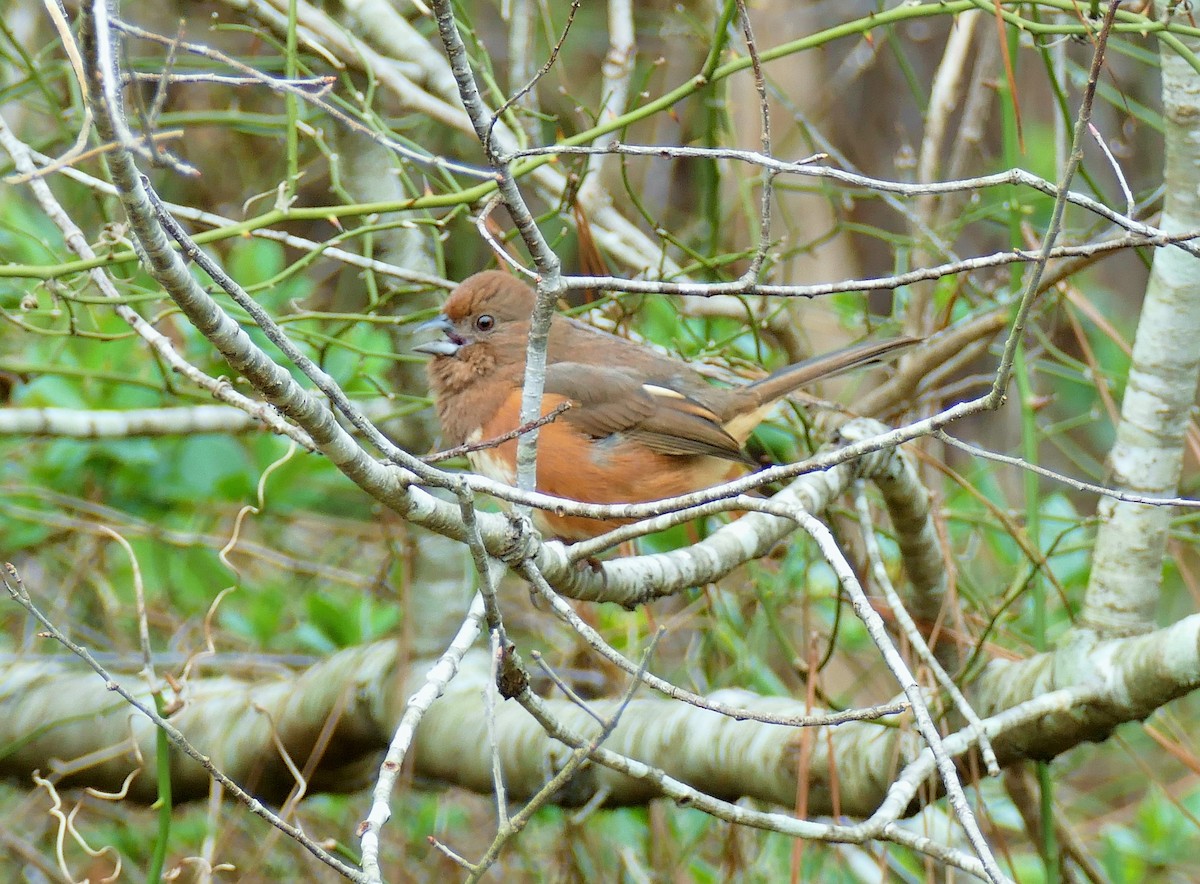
point(1004, 372)
point(292, 109)
point(548, 265)
point(434, 685)
point(944, 100)
point(1147, 457)
point(957, 797)
point(616, 73)
point(768, 176)
point(522, 25)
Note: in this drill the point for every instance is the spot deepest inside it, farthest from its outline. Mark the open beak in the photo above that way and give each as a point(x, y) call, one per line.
point(447, 345)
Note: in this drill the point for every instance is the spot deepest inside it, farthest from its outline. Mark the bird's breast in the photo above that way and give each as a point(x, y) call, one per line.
point(493, 463)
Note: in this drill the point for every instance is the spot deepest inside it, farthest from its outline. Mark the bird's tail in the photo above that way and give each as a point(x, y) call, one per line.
point(790, 378)
point(794, 376)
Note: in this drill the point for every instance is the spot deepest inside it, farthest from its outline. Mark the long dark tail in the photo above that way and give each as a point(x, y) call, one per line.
point(784, 381)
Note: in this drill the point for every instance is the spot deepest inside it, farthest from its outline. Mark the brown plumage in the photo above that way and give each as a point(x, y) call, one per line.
point(642, 426)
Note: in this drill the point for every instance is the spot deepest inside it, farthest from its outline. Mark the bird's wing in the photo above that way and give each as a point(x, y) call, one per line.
point(609, 401)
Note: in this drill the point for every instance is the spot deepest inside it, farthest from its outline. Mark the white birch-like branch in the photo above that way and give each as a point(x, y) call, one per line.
point(1147, 457)
point(1034, 708)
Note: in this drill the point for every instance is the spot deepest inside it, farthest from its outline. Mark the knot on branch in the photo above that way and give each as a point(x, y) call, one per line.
point(511, 678)
point(873, 463)
point(520, 541)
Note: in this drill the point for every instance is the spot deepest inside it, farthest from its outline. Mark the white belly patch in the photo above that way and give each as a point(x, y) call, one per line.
point(488, 462)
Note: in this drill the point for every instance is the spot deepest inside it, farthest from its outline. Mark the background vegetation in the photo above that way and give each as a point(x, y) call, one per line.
point(257, 558)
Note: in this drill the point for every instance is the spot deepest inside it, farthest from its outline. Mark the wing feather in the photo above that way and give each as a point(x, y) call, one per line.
point(611, 402)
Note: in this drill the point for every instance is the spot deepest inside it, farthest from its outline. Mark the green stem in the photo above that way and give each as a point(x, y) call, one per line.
point(1126, 22)
point(164, 804)
point(291, 104)
point(1047, 845)
point(720, 39)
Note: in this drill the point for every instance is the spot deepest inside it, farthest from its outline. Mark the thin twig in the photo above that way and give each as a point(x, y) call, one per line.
point(436, 680)
point(287, 86)
point(495, 442)
point(833, 555)
point(767, 180)
point(16, 589)
point(579, 756)
point(542, 71)
point(806, 168)
point(912, 633)
point(741, 713)
point(1077, 484)
point(1054, 227)
point(547, 262)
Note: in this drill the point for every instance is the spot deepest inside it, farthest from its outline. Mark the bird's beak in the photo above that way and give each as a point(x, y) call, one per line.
point(448, 345)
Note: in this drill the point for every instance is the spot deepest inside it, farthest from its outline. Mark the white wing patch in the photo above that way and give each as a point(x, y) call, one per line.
point(665, 392)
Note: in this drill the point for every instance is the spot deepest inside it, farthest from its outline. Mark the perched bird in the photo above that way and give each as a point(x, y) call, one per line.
point(641, 426)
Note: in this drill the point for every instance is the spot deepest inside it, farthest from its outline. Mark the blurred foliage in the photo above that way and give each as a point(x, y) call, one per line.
point(315, 567)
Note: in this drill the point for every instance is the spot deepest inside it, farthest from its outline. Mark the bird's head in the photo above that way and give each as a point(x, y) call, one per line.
point(486, 308)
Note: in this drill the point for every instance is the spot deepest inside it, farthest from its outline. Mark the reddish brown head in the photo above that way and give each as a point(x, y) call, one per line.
point(493, 292)
point(489, 306)
point(480, 354)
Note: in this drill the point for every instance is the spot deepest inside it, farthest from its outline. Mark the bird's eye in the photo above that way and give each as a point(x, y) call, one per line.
point(486, 322)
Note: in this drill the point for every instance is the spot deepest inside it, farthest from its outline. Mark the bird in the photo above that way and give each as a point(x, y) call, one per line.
point(641, 426)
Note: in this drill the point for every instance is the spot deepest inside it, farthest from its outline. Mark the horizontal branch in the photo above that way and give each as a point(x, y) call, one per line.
point(82, 423)
point(1073, 695)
